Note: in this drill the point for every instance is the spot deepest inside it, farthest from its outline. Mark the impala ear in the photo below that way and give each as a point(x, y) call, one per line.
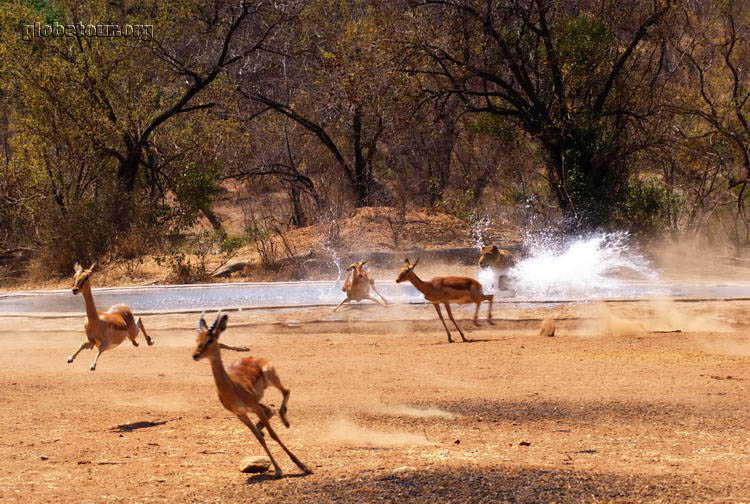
point(222, 324)
point(201, 326)
point(77, 267)
point(363, 263)
point(406, 261)
point(495, 249)
point(350, 267)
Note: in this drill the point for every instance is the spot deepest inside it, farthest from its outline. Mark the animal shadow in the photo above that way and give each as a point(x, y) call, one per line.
point(268, 476)
point(137, 425)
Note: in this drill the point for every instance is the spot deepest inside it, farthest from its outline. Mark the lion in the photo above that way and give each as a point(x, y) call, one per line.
point(500, 261)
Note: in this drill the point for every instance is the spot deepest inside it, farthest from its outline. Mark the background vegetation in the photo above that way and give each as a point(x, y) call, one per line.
point(589, 114)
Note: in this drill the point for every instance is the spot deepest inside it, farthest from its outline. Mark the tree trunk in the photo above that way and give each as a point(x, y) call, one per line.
point(361, 189)
point(299, 218)
point(215, 222)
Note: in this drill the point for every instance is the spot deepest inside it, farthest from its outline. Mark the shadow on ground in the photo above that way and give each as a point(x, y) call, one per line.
point(501, 485)
point(137, 425)
point(583, 411)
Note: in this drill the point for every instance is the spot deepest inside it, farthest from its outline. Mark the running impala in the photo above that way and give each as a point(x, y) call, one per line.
point(104, 330)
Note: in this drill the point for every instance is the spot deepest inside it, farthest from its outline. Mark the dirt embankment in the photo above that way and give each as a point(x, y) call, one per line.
point(312, 252)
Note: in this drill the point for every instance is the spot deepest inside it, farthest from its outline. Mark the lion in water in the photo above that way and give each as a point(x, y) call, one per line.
point(500, 261)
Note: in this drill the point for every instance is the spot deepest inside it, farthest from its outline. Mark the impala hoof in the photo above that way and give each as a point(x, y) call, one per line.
point(278, 474)
point(92, 368)
point(306, 469)
point(150, 342)
point(70, 359)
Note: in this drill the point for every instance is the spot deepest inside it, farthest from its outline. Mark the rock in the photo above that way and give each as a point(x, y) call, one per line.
point(548, 328)
point(255, 464)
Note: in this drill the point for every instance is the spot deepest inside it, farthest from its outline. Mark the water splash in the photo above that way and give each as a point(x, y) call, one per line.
point(332, 252)
point(479, 231)
point(586, 267)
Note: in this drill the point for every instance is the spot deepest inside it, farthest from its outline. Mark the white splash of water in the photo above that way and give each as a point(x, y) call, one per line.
point(335, 258)
point(488, 278)
point(478, 231)
point(594, 266)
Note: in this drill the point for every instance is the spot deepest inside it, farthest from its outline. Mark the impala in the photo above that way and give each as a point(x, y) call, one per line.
point(242, 384)
point(446, 290)
point(104, 330)
point(357, 285)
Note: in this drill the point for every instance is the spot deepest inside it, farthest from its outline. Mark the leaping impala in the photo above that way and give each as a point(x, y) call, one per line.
point(446, 290)
point(104, 330)
point(357, 285)
point(242, 384)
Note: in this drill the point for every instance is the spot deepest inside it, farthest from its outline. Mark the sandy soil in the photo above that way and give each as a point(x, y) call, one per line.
point(614, 408)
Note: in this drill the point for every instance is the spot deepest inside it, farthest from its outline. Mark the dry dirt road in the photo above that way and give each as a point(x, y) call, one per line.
point(614, 408)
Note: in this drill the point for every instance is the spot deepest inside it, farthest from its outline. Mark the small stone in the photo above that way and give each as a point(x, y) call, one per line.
point(44, 457)
point(548, 328)
point(255, 464)
point(524, 443)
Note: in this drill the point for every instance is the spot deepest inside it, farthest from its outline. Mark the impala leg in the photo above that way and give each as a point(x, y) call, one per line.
point(269, 413)
point(342, 302)
point(488, 298)
point(133, 334)
point(234, 348)
point(86, 344)
point(379, 294)
point(371, 298)
point(450, 314)
point(275, 437)
point(440, 314)
point(139, 323)
point(274, 380)
point(104, 345)
point(259, 436)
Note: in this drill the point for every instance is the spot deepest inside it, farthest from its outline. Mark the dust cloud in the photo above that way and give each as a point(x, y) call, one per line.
point(408, 411)
point(344, 431)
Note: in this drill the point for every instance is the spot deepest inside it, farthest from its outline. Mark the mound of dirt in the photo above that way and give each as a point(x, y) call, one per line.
point(388, 229)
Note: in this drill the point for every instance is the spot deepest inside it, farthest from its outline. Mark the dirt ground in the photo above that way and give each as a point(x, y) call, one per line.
point(617, 407)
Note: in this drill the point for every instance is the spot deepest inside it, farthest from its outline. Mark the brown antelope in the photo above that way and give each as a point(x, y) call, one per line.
point(242, 384)
point(357, 285)
point(446, 290)
point(104, 330)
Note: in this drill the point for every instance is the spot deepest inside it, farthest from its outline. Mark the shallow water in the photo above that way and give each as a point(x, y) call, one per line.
point(214, 296)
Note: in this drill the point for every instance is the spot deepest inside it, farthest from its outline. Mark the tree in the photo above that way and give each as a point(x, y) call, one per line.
point(123, 96)
point(578, 81)
point(337, 87)
point(713, 115)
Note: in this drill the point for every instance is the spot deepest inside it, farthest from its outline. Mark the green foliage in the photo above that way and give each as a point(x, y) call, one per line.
point(499, 127)
point(233, 243)
point(584, 46)
point(195, 188)
point(458, 203)
point(645, 208)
